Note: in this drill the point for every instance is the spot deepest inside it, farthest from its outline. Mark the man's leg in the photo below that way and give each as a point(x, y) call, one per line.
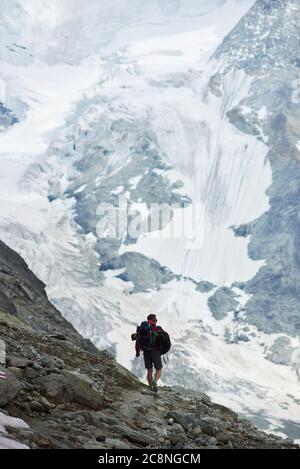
point(158, 374)
point(149, 376)
point(158, 368)
point(148, 366)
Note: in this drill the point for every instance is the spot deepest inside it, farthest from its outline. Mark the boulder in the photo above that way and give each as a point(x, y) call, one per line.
point(9, 388)
point(186, 420)
point(55, 386)
point(17, 362)
point(17, 372)
point(84, 390)
point(72, 386)
point(134, 436)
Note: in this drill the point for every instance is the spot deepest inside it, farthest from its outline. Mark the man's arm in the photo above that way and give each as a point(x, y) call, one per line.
point(137, 346)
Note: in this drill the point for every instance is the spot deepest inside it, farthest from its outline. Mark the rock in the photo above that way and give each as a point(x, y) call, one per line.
point(211, 420)
point(55, 386)
point(116, 444)
point(18, 372)
point(37, 407)
point(97, 434)
point(162, 432)
point(17, 362)
point(245, 423)
point(196, 432)
point(99, 417)
point(46, 404)
point(212, 441)
point(93, 444)
point(72, 386)
point(176, 428)
point(134, 436)
point(176, 438)
point(84, 390)
point(257, 436)
point(130, 413)
point(184, 419)
point(42, 442)
point(24, 406)
point(224, 438)
point(228, 446)
point(31, 373)
point(201, 410)
point(58, 337)
point(9, 388)
point(208, 428)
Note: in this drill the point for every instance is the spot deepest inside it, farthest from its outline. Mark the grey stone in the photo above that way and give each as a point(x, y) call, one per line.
point(208, 428)
point(36, 406)
point(96, 433)
point(93, 444)
point(100, 417)
point(224, 438)
point(84, 390)
point(183, 418)
point(176, 428)
point(31, 373)
point(113, 443)
point(134, 436)
point(16, 371)
point(9, 388)
point(72, 386)
point(176, 438)
point(18, 362)
point(221, 302)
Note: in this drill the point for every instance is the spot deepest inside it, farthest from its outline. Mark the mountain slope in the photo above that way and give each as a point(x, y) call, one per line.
point(142, 113)
point(23, 295)
point(62, 396)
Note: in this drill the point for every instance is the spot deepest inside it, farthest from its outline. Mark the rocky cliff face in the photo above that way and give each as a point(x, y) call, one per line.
point(23, 295)
point(270, 112)
point(69, 397)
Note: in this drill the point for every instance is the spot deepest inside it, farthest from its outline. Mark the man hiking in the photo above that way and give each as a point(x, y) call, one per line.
point(154, 342)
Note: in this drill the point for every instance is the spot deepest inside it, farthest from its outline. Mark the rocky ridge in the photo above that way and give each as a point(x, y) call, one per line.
point(75, 398)
point(71, 398)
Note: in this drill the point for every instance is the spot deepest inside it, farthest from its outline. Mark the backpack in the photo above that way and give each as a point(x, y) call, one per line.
point(146, 338)
point(164, 342)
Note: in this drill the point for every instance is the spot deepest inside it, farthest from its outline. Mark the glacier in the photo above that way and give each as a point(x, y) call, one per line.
point(172, 102)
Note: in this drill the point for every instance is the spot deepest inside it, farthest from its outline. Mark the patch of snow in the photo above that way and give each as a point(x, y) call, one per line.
point(12, 422)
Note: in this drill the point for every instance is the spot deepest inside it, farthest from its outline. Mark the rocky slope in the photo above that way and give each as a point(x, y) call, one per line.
point(23, 295)
point(72, 398)
point(142, 112)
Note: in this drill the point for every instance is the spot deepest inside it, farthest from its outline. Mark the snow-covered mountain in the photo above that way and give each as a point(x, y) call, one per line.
point(185, 102)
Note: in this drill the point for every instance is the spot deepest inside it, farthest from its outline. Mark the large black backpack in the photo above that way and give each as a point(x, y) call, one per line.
point(145, 335)
point(164, 342)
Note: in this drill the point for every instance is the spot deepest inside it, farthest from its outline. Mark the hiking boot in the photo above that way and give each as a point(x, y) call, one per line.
point(154, 386)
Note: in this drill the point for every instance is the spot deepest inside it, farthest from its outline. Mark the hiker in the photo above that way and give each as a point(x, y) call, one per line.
point(154, 342)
